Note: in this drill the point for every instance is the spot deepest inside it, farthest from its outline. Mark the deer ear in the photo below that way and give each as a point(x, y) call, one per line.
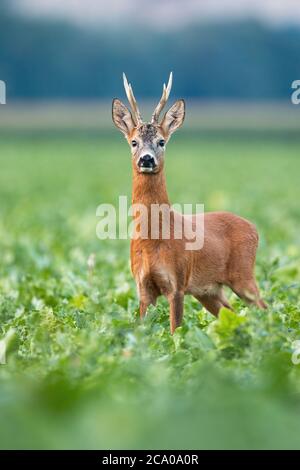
point(174, 117)
point(122, 117)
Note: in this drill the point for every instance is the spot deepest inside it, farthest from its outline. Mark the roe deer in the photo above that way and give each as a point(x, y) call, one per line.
point(164, 266)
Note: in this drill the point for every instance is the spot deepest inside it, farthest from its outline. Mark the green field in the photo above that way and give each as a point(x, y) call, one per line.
point(82, 371)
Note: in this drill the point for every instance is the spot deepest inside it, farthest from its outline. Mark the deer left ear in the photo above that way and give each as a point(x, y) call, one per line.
point(174, 117)
point(122, 117)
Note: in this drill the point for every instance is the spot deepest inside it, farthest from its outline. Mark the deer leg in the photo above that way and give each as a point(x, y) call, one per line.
point(176, 310)
point(248, 291)
point(212, 303)
point(148, 296)
point(145, 301)
point(224, 300)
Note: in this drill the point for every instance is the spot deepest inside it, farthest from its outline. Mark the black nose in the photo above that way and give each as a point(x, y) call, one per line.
point(147, 161)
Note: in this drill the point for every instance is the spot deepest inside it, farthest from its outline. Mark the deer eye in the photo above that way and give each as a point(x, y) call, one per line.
point(161, 143)
point(134, 143)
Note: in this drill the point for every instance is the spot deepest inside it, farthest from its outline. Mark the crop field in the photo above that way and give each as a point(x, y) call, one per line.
point(81, 370)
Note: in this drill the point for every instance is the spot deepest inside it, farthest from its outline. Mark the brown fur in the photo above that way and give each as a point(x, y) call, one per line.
point(165, 267)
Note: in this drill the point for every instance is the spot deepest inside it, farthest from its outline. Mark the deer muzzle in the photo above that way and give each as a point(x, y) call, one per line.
point(147, 163)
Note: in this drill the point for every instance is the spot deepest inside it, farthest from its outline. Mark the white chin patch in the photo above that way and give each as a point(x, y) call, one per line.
point(146, 170)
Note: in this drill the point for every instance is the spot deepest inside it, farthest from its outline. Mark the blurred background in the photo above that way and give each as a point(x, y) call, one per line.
point(233, 51)
point(220, 49)
point(81, 370)
point(242, 52)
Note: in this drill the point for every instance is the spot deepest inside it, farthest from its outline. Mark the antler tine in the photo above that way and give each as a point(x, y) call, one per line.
point(164, 98)
point(132, 101)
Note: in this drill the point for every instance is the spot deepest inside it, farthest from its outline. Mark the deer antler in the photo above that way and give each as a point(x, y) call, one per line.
point(132, 101)
point(163, 100)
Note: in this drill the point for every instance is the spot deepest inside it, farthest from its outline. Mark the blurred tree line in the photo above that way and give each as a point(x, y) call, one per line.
point(55, 59)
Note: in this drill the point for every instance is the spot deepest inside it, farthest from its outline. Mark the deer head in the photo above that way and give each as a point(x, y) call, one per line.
point(147, 140)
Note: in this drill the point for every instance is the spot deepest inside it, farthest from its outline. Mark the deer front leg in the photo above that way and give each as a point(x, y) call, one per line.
point(176, 310)
point(148, 296)
point(144, 304)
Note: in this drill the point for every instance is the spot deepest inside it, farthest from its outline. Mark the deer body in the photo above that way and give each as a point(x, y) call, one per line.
point(164, 266)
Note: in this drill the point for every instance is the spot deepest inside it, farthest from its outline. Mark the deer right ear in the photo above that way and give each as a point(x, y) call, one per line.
point(122, 117)
point(173, 118)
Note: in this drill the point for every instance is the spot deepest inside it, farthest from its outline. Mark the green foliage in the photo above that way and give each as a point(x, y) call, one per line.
point(82, 370)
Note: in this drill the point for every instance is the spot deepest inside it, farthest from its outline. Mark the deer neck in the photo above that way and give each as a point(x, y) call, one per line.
point(149, 189)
